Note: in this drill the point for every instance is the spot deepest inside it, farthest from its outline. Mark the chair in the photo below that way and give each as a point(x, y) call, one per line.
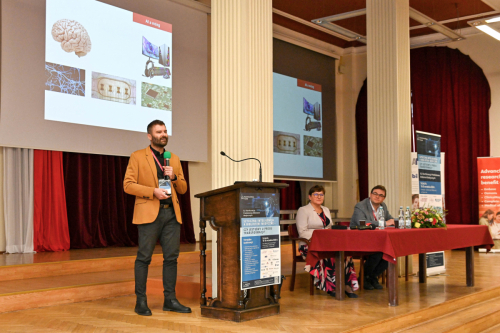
point(294, 237)
point(290, 214)
point(361, 259)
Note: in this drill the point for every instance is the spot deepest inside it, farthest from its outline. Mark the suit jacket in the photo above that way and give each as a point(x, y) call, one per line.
point(141, 179)
point(308, 221)
point(363, 211)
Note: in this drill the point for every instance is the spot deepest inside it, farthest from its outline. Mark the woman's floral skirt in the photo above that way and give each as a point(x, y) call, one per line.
point(324, 272)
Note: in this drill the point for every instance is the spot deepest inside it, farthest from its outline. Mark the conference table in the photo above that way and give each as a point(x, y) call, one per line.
point(394, 243)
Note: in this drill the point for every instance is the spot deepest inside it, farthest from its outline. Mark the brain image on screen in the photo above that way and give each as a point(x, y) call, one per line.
point(72, 36)
point(149, 50)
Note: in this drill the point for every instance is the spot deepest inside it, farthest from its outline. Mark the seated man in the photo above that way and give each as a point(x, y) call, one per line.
point(367, 210)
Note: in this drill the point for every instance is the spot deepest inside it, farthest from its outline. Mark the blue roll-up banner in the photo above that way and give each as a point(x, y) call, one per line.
point(260, 254)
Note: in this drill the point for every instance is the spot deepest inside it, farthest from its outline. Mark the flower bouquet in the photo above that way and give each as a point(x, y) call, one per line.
point(427, 218)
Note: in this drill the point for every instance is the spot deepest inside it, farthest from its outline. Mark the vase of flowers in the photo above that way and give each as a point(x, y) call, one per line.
point(427, 218)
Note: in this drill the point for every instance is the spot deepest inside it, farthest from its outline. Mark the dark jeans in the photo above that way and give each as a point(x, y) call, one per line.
point(375, 265)
point(168, 230)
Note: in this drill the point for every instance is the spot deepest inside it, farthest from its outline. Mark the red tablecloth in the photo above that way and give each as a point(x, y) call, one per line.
point(396, 242)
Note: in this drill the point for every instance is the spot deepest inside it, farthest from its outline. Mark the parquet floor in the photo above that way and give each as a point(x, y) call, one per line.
point(300, 312)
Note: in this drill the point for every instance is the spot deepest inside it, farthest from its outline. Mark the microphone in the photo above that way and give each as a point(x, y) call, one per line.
point(166, 161)
point(251, 158)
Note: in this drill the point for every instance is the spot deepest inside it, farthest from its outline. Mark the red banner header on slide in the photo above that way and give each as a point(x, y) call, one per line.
point(152, 23)
point(308, 85)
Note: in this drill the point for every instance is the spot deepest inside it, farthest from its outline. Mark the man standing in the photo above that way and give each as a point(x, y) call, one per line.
point(367, 210)
point(157, 215)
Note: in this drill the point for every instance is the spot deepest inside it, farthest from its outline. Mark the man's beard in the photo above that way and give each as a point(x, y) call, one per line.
point(158, 141)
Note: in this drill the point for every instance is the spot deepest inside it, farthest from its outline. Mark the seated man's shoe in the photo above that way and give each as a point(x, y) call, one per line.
point(141, 308)
point(175, 306)
point(375, 284)
point(367, 285)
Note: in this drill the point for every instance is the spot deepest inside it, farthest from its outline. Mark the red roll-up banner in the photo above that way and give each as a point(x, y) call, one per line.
point(488, 180)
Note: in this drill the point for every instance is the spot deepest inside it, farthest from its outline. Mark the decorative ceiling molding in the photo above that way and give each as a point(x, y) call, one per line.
point(313, 44)
point(310, 24)
point(420, 41)
point(194, 5)
point(495, 4)
point(459, 19)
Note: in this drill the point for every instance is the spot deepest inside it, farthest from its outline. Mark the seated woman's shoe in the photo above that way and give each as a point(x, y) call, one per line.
point(351, 295)
point(331, 293)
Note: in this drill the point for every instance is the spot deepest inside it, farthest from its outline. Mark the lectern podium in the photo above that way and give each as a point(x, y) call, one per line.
point(221, 208)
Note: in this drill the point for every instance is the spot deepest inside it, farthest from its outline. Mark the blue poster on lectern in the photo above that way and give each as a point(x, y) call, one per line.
point(260, 240)
point(429, 170)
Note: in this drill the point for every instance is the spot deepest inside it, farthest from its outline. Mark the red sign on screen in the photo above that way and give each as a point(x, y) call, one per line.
point(308, 85)
point(150, 22)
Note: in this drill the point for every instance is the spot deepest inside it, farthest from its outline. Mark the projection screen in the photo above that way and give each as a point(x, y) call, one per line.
point(134, 61)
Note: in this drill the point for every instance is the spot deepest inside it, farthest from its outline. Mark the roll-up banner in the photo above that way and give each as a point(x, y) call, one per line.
point(427, 173)
point(488, 169)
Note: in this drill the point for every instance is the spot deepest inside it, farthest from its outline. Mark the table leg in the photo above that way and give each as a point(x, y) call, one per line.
point(406, 268)
point(392, 281)
point(339, 276)
point(422, 268)
point(469, 266)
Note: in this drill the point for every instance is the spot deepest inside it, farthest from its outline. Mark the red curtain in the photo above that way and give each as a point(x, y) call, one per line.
point(362, 139)
point(99, 211)
point(50, 221)
point(187, 229)
point(290, 197)
point(451, 97)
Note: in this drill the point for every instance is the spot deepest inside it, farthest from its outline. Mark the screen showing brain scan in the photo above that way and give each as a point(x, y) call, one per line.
point(106, 66)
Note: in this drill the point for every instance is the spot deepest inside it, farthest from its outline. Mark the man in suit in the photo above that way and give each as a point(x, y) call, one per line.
point(156, 214)
point(367, 210)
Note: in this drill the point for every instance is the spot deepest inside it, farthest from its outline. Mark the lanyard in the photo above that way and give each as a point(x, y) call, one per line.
point(374, 215)
point(323, 219)
point(156, 160)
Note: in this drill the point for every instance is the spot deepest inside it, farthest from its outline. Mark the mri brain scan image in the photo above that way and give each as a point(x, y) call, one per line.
point(72, 36)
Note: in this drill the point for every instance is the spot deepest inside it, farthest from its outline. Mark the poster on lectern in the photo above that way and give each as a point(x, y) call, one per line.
point(260, 254)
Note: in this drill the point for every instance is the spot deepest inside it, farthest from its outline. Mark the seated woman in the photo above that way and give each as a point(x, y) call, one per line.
point(315, 216)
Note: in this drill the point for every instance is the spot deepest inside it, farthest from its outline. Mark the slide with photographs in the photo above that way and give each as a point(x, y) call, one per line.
point(106, 66)
point(297, 125)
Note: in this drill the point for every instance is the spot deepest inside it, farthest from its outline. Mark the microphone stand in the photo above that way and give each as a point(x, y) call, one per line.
point(246, 159)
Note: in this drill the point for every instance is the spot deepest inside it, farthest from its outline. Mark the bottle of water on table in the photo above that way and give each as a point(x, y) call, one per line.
point(408, 218)
point(381, 218)
point(401, 218)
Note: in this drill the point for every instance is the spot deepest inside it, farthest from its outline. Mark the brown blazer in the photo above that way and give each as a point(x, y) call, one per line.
point(141, 179)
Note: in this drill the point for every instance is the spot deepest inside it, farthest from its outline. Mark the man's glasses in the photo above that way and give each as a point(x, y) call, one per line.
point(378, 195)
point(318, 195)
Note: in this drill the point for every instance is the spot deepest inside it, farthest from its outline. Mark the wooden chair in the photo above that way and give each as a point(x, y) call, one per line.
point(294, 237)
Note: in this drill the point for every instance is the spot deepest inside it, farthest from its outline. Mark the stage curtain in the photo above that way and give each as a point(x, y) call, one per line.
point(187, 228)
point(290, 197)
point(362, 140)
point(451, 97)
point(18, 205)
point(50, 220)
point(99, 211)
point(2, 219)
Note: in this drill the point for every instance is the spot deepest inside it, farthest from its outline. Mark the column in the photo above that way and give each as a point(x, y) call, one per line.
point(389, 115)
point(242, 94)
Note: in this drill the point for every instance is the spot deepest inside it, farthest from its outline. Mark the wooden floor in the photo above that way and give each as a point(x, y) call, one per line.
point(8, 259)
point(300, 312)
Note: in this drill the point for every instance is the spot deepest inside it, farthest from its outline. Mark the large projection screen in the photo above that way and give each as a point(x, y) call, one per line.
point(304, 116)
point(104, 126)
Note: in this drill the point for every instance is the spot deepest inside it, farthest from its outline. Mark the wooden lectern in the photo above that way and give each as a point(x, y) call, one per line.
point(221, 208)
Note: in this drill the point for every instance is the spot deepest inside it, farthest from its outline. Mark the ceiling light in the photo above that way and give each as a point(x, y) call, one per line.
point(490, 31)
point(493, 19)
